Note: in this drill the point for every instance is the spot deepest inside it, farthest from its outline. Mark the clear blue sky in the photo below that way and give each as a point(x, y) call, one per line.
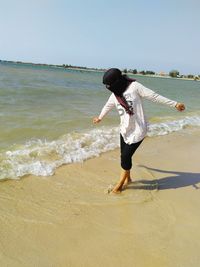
point(157, 35)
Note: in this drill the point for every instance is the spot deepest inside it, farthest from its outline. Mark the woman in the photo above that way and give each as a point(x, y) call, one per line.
point(127, 97)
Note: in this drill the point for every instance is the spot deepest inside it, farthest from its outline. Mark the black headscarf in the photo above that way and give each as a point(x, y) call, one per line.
point(118, 83)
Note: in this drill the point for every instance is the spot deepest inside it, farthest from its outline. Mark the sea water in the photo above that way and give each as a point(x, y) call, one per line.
point(46, 116)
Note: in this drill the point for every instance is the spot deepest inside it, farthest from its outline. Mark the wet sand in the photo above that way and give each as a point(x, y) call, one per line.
point(69, 219)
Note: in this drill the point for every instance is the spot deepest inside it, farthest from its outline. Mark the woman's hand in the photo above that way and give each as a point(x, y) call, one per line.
point(96, 120)
point(180, 106)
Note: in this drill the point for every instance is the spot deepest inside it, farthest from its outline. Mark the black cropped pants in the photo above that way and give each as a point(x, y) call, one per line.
point(127, 152)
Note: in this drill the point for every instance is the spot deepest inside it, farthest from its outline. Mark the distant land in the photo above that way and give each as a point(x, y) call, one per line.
point(66, 66)
point(171, 74)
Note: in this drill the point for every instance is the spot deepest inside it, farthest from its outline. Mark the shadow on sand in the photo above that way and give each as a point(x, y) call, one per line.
point(173, 181)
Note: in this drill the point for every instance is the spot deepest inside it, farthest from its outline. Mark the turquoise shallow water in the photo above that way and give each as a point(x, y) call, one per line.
point(46, 114)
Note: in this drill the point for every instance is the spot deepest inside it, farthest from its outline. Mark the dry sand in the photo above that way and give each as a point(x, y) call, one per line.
point(68, 220)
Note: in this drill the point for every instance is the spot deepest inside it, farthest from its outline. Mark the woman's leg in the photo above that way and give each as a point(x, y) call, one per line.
point(128, 178)
point(127, 152)
point(123, 177)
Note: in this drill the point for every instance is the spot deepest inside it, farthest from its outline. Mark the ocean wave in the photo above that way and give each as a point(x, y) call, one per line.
point(169, 126)
point(42, 157)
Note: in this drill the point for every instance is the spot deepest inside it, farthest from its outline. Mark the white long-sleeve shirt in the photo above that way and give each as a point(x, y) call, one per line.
point(134, 128)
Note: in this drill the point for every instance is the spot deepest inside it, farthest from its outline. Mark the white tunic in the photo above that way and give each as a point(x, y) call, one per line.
point(134, 128)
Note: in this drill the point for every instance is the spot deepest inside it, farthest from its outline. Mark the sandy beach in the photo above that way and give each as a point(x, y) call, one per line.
point(69, 219)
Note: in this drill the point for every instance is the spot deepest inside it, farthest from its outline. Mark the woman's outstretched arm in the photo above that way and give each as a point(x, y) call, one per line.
point(108, 106)
point(153, 96)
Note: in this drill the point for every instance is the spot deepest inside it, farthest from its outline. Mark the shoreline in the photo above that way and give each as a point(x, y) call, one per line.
point(93, 70)
point(69, 219)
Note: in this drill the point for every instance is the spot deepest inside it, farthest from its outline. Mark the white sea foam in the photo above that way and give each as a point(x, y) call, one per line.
point(41, 158)
point(169, 126)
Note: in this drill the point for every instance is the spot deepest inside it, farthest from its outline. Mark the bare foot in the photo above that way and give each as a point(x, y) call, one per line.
point(113, 189)
point(117, 189)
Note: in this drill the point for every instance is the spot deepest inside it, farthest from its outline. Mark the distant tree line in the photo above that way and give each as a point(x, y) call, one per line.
point(172, 73)
point(80, 67)
point(176, 74)
point(143, 72)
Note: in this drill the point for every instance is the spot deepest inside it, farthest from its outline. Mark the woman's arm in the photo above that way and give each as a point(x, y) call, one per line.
point(153, 96)
point(108, 106)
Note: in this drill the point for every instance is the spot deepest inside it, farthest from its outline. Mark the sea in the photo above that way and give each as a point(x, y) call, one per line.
point(46, 116)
